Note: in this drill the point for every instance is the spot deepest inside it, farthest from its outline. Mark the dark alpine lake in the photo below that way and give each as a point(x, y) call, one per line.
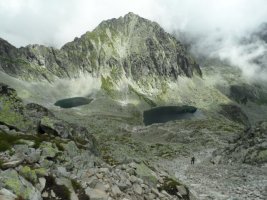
point(73, 102)
point(164, 114)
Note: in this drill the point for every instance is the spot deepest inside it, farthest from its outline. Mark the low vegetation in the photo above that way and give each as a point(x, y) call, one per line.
point(61, 191)
point(7, 141)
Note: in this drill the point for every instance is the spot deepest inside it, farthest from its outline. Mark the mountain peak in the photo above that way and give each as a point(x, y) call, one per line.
point(131, 15)
point(133, 45)
point(130, 19)
point(137, 45)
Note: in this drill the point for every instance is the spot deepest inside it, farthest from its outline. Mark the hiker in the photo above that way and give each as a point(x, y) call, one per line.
point(244, 100)
point(192, 160)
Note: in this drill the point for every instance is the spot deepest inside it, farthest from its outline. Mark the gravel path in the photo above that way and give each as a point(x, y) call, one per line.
point(217, 181)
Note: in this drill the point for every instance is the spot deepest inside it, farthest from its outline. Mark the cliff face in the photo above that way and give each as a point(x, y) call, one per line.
point(130, 45)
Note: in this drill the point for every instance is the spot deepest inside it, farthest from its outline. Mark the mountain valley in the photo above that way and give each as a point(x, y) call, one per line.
point(118, 114)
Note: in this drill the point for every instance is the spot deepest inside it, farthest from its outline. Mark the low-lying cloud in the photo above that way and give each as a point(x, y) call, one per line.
point(248, 57)
point(218, 25)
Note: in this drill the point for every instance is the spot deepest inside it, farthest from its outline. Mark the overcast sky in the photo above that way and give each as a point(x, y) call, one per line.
point(55, 22)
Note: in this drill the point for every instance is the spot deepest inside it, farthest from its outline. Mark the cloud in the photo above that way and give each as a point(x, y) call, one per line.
point(218, 23)
point(56, 22)
point(246, 57)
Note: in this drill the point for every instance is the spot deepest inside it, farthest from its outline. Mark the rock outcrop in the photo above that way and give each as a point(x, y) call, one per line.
point(245, 93)
point(234, 113)
point(12, 109)
point(249, 148)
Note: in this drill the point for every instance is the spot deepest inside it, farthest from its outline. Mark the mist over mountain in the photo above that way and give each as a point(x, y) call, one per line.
point(246, 52)
point(219, 30)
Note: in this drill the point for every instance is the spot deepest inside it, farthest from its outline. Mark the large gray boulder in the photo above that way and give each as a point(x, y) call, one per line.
point(56, 127)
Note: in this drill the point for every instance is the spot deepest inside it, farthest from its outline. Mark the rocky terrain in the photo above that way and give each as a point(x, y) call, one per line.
point(53, 159)
point(249, 147)
point(72, 120)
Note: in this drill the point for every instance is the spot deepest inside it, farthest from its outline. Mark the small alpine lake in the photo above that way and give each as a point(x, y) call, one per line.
point(73, 102)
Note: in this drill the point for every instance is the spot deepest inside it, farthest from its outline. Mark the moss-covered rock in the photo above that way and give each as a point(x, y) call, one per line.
point(144, 172)
point(28, 174)
point(40, 172)
point(20, 186)
point(49, 150)
point(262, 156)
point(57, 127)
point(71, 149)
point(11, 109)
point(173, 187)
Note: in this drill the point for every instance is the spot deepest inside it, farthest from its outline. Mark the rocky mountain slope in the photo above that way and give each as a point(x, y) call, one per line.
point(130, 45)
point(102, 149)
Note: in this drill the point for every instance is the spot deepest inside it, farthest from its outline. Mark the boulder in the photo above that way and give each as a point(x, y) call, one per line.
point(29, 174)
point(57, 127)
point(137, 189)
point(12, 109)
point(34, 110)
point(145, 173)
point(11, 164)
point(12, 181)
point(49, 150)
point(116, 190)
point(95, 194)
point(7, 195)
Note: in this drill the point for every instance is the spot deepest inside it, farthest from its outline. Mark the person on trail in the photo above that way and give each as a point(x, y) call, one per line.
point(192, 160)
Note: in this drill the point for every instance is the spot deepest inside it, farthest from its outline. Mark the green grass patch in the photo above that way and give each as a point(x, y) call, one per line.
point(7, 141)
point(170, 186)
point(76, 185)
point(61, 191)
point(59, 145)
